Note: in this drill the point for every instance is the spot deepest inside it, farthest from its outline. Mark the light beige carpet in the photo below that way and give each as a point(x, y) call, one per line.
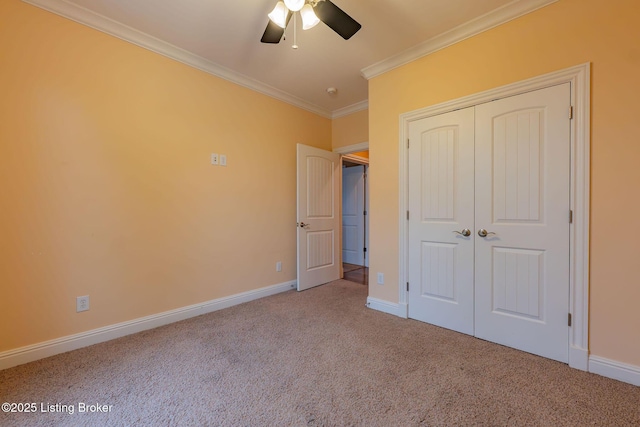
point(315, 358)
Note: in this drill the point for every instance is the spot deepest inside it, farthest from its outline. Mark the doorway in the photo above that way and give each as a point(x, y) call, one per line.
point(355, 218)
point(319, 216)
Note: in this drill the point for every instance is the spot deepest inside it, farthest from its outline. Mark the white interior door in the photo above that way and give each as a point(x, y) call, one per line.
point(318, 184)
point(441, 221)
point(522, 195)
point(353, 215)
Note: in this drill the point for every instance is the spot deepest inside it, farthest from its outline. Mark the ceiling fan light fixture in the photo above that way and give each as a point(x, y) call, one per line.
point(309, 18)
point(279, 15)
point(294, 5)
point(311, 12)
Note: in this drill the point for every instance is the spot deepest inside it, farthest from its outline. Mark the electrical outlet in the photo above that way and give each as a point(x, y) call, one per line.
point(279, 266)
point(82, 303)
point(380, 278)
point(214, 158)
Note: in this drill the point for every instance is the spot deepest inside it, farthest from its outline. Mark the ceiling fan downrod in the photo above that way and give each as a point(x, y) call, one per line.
point(295, 33)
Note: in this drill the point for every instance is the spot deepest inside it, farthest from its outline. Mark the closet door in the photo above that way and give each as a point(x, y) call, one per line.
point(522, 201)
point(441, 204)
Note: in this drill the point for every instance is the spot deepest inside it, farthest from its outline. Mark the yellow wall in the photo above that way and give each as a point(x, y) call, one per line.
point(350, 130)
point(566, 33)
point(106, 186)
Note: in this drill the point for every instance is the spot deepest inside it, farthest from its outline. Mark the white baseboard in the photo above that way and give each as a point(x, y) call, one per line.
point(403, 310)
point(41, 350)
point(597, 365)
point(384, 306)
point(614, 369)
point(578, 358)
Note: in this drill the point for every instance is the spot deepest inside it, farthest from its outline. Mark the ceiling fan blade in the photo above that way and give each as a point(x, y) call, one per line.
point(336, 19)
point(273, 33)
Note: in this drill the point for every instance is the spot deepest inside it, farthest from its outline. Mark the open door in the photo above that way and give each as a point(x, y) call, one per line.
point(318, 184)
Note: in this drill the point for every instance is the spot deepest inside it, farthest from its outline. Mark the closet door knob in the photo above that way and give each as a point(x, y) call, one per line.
point(484, 233)
point(466, 232)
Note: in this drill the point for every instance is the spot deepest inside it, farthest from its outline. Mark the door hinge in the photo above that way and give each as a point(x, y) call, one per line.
point(407, 215)
point(570, 217)
point(571, 112)
point(364, 213)
point(407, 142)
point(364, 249)
point(569, 319)
point(407, 286)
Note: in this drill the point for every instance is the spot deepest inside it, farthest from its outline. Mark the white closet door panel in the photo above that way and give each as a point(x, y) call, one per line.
point(441, 202)
point(522, 195)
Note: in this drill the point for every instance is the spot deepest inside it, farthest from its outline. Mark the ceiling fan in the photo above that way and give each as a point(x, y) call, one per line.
point(312, 12)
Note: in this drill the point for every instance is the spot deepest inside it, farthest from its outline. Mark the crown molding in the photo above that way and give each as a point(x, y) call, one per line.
point(350, 109)
point(506, 13)
point(106, 25)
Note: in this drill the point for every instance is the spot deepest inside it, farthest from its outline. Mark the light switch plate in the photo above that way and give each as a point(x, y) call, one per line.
point(223, 160)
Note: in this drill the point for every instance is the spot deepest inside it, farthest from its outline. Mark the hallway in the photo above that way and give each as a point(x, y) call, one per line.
point(356, 273)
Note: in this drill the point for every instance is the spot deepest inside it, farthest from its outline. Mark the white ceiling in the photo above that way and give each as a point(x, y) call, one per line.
point(223, 37)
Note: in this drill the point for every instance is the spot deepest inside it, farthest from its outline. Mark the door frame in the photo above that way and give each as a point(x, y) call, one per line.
point(349, 149)
point(580, 79)
point(362, 253)
point(344, 154)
